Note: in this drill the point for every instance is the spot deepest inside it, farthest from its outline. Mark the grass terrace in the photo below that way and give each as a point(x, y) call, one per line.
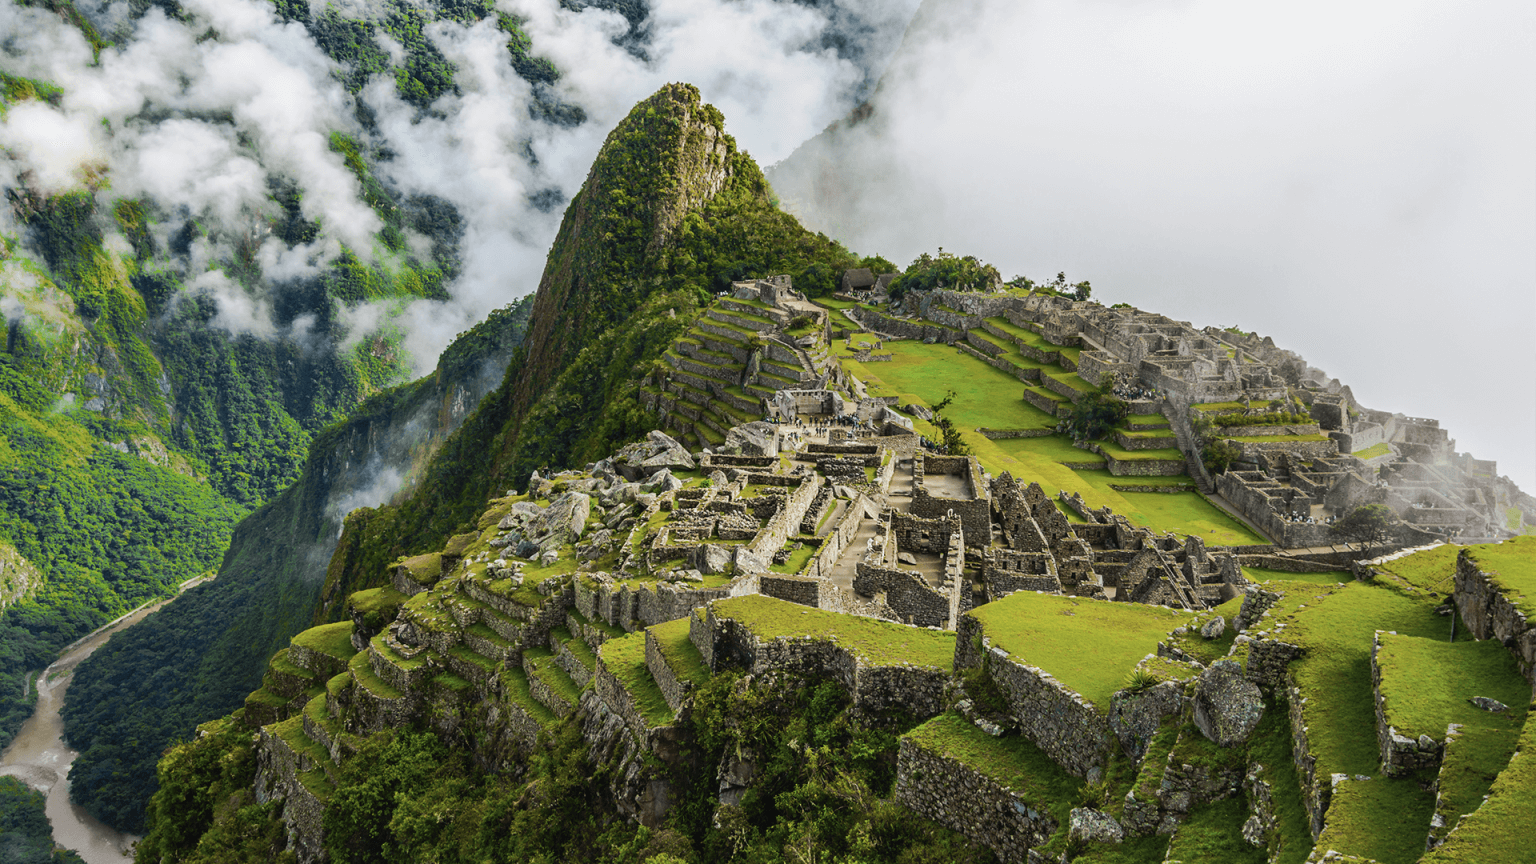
point(1373, 451)
point(1501, 829)
point(874, 641)
point(1432, 570)
point(332, 639)
point(1426, 684)
point(1385, 819)
point(798, 559)
point(1087, 645)
point(1146, 420)
point(1511, 566)
point(624, 658)
point(1011, 761)
point(987, 397)
point(684, 659)
point(1214, 832)
point(1262, 574)
point(363, 673)
point(515, 684)
point(376, 605)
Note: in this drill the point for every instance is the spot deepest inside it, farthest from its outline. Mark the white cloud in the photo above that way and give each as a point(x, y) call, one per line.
point(1353, 179)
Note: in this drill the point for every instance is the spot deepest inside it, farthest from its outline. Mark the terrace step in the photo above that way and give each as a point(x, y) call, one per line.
point(574, 656)
point(740, 320)
point(549, 683)
point(741, 400)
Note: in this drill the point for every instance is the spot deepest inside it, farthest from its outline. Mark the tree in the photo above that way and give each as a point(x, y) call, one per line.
point(1095, 414)
point(950, 271)
point(1219, 455)
point(1367, 524)
point(954, 445)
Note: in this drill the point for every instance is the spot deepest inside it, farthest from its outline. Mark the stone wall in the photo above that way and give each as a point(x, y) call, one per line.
point(1027, 376)
point(1400, 755)
point(1058, 720)
point(673, 687)
point(837, 539)
point(906, 593)
point(1142, 467)
point(631, 607)
point(975, 513)
point(902, 328)
point(1489, 614)
point(916, 690)
point(785, 522)
point(1004, 434)
point(278, 767)
point(795, 589)
point(943, 789)
point(1316, 793)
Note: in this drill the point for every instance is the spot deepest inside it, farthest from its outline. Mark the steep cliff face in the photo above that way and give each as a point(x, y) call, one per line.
point(18, 578)
point(667, 159)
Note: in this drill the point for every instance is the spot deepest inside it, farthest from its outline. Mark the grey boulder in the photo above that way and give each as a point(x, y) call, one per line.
point(1227, 705)
point(754, 439)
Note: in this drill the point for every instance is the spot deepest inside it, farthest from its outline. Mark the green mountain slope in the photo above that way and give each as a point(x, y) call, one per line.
point(199, 657)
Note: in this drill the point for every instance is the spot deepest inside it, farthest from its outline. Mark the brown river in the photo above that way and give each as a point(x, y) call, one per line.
point(40, 757)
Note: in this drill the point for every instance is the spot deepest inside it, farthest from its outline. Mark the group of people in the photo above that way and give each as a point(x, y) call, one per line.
point(1135, 392)
point(1299, 519)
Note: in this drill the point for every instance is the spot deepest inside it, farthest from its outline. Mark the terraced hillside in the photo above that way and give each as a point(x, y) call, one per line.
point(731, 361)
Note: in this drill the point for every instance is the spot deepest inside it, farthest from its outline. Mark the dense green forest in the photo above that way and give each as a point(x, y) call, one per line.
point(135, 430)
point(25, 836)
point(201, 655)
point(411, 796)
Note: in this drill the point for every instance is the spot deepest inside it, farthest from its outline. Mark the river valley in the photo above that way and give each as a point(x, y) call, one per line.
point(40, 758)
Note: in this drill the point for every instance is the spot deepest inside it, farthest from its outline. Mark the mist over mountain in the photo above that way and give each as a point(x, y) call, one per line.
point(1350, 178)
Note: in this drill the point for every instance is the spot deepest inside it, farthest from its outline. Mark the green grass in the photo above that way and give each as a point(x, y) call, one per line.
point(1425, 684)
point(281, 663)
point(1263, 574)
point(625, 659)
point(684, 659)
point(450, 681)
point(1057, 447)
point(876, 642)
point(1088, 645)
point(395, 657)
point(334, 640)
point(364, 675)
point(1502, 828)
point(1511, 566)
point(1373, 451)
point(515, 683)
point(1011, 761)
point(469, 655)
point(576, 646)
point(1186, 513)
point(1386, 820)
point(266, 697)
point(377, 605)
point(544, 667)
point(1431, 571)
point(1271, 746)
point(798, 559)
point(1146, 420)
point(1214, 832)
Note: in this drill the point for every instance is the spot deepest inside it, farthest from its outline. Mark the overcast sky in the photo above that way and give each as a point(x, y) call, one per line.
point(1355, 179)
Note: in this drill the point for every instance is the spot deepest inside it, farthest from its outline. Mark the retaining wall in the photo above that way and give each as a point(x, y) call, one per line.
point(943, 789)
point(1057, 719)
